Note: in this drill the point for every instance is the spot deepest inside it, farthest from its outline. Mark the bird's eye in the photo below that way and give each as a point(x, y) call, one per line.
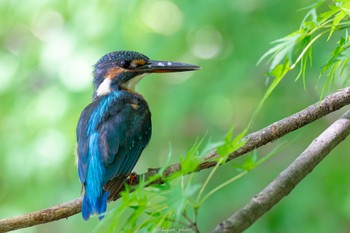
point(124, 64)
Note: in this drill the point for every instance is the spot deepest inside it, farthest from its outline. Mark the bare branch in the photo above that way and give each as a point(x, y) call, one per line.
point(42, 216)
point(282, 127)
point(289, 178)
point(257, 139)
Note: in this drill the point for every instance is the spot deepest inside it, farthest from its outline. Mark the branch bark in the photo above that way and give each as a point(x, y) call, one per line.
point(289, 178)
point(257, 139)
point(54, 213)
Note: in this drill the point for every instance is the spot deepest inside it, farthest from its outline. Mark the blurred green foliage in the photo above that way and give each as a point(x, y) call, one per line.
point(46, 54)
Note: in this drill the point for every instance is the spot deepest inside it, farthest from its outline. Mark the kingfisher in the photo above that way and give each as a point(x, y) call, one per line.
point(116, 126)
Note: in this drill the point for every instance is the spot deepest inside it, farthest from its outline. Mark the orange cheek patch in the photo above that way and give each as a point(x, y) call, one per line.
point(113, 72)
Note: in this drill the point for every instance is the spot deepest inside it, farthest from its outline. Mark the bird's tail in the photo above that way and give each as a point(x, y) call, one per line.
point(90, 207)
point(114, 187)
point(95, 197)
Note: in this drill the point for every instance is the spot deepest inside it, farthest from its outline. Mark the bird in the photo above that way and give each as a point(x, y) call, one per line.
point(116, 126)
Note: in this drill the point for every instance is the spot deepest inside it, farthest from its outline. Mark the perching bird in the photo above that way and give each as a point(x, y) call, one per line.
point(114, 129)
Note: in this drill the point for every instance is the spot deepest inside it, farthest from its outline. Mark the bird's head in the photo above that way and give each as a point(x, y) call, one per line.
point(123, 70)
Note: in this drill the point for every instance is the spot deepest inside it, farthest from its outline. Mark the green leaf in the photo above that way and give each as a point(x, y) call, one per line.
point(328, 14)
point(230, 144)
point(314, 5)
point(279, 72)
point(310, 20)
point(178, 198)
point(337, 18)
point(283, 49)
point(192, 159)
point(336, 64)
point(249, 163)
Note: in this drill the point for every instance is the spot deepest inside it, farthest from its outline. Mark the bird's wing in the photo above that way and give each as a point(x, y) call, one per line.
point(122, 137)
point(124, 161)
point(82, 139)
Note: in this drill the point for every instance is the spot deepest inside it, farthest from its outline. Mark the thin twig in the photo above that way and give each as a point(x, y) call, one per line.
point(192, 224)
point(289, 178)
point(276, 130)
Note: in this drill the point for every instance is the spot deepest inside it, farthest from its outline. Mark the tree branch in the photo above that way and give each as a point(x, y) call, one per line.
point(257, 139)
point(289, 178)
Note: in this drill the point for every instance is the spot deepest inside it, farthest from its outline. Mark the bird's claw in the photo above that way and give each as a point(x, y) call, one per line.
point(132, 179)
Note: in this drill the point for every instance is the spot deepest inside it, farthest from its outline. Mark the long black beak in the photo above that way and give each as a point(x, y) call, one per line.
point(167, 66)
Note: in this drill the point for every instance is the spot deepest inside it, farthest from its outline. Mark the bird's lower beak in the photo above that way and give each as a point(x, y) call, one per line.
point(168, 66)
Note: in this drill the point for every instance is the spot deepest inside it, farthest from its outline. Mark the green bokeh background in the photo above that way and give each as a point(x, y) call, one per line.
point(46, 57)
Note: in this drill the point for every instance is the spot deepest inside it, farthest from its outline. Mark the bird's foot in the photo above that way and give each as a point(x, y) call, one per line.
point(133, 179)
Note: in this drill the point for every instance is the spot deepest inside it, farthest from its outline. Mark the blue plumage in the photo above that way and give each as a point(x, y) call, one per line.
point(111, 128)
point(114, 129)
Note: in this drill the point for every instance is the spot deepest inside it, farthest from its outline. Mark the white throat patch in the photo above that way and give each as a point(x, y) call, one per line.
point(131, 84)
point(104, 88)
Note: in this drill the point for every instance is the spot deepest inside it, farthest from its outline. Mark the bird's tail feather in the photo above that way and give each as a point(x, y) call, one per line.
point(88, 208)
point(114, 187)
point(95, 198)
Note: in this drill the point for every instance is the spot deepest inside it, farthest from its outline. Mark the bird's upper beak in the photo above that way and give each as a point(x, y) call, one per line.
point(167, 66)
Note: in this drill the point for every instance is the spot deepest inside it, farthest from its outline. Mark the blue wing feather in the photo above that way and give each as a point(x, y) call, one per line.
point(82, 139)
point(123, 136)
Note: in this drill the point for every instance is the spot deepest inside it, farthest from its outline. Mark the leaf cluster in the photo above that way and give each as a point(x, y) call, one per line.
point(295, 50)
